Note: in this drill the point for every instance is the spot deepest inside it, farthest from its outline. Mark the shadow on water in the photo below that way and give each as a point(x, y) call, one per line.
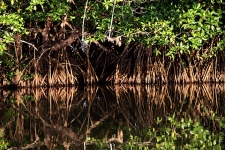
point(73, 118)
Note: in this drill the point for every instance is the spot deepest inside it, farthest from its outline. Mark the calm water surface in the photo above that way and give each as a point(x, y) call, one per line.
point(101, 117)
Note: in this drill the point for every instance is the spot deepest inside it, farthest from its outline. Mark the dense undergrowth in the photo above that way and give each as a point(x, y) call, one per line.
point(48, 43)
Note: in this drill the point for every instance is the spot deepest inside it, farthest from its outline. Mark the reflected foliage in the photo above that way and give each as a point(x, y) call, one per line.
point(175, 134)
point(150, 117)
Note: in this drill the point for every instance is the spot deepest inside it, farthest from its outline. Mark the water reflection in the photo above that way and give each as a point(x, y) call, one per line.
point(69, 118)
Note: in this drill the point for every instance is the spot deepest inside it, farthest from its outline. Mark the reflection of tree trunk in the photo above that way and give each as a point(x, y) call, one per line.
point(140, 105)
point(19, 132)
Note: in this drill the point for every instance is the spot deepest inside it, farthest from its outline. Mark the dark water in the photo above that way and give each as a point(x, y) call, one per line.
point(101, 117)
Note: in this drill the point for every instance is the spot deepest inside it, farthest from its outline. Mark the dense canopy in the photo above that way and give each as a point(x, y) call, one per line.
point(112, 40)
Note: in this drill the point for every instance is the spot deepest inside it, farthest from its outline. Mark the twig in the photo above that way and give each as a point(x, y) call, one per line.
point(110, 28)
point(82, 40)
point(29, 44)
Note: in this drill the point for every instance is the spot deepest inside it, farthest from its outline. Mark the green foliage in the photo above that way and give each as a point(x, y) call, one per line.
point(28, 98)
point(11, 23)
point(10, 75)
point(15, 15)
point(184, 133)
point(192, 135)
point(3, 142)
point(9, 114)
point(28, 77)
point(181, 26)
